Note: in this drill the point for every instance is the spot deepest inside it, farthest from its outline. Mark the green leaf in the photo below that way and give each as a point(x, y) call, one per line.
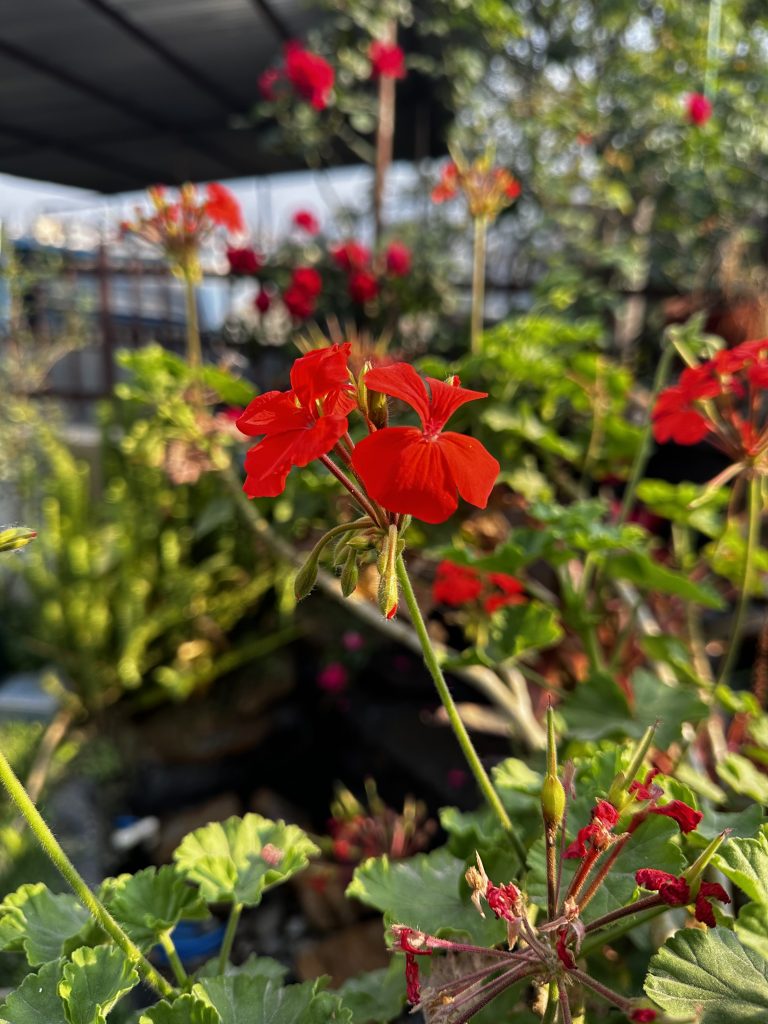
point(521, 627)
point(598, 708)
point(427, 892)
point(226, 858)
point(36, 1000)
point(93, 981)
point(752, 927)
point(153, 901)
point(743, 777)
point(672, 705)
point(673, 502)
point(185, 1010)
point(240, 999)
point(710, 974)
point(254, 967)
point(640, 568)
point(745, 862)
point(652, 843)
point(45, 925)
point(742, 824)
point(376, 997)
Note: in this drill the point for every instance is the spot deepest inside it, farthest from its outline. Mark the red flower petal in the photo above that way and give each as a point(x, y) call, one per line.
point(272, 413)
point(319, 372)
point(686, 817)
point(456, 585)
point(222, 207)
point(268, 463)
point(406, 472)
point(446, 399)
point(400, 380)
point(473, 468)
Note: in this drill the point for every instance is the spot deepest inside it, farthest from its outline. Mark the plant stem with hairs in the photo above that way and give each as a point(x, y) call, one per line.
point(52, 848)
point(194, 345)
point(478, 283)
point(459, 729)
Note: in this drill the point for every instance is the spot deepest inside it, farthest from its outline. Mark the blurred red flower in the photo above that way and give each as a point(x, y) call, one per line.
point(387, 60)
point(267, 81)
point(245, 261)
point(311, 76)
point(398, 259)
point(222, 207)
point(363, 286)
point(350, 256)
point(306, 221)
point(698, 108)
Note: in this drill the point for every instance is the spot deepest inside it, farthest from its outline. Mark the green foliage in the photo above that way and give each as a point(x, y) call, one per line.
point(151, 903)
point(243, 999)
point(426, 892)
point(236, 860)
point(42, 924)
point(187, 1009)
point(377, 996)
point(709, 974)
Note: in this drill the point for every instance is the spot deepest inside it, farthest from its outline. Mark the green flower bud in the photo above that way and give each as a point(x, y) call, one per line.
point(552, 801)
point(349, 574)
point(306, 577)
point(15, 537)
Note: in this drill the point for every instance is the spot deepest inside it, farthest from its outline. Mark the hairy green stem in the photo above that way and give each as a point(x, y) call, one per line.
point(52, 848)
point(194, 345)
point(229, 936)
point(459, 730)
point(755, 503)
point(478, 284)
point(550, 1014)
point(173, 958)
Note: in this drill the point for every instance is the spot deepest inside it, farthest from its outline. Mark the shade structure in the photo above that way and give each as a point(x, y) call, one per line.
point(117, 94)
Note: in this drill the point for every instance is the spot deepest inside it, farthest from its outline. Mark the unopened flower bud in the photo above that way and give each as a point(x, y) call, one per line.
point(15, 537)
point(349, 574)
point(387, 595)
point(552, 801)
point(377, 409)
point(306, 577)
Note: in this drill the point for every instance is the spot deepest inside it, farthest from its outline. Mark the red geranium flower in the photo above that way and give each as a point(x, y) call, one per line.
point(676, 892)
point(675, 416)
point(311, 76)
point(597, 833)
point(456, 585)
point(363, 286)
point(306, 221)
point(298, 425)
point(512, 592)
point(698, 108)
point(222, 208)
point(387, 60)
point(422, 472)
point(308, 280)
point(351, 256)
point(448, 186)
point(398, 258)
point(244, 261)
point(686, 817)
point(300, 297)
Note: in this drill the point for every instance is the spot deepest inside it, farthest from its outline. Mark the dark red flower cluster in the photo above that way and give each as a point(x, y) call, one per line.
point(461, 585)
point(298, 425)
point(687, 818)
point(422, 472)
point(300, 297)
point(598, 833)
point(387, 60)
point(720, 400)
point(676, 892)
point(310, 76)
point(355, 260)
point(244, 262)
point(698, 108)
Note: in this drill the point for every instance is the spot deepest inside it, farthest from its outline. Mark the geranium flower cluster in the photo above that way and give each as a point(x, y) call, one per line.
point(487, 189)
point(721, 400)
point(551, 951)
point(178, 226)
point(698, 108)
point(305, 74)
point(462, 586)
point(364, 275)
point(387, 60)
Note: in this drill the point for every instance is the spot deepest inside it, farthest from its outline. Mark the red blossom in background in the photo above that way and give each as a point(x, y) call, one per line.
point(310, 75)
point(306, 221)
point(298, 425)
point(245, 261)
point(300, 297)
point(398, 259)
point(387, 60)
point(262, 302)
point(350, 256)
point(422, 472)
point(222, 208)
point(456, 585)
point(675, 415)
point(511, 592)
point(698, 108)
point(363, 286)
point(266, 84)
point(488, 190)
point(448, 186)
